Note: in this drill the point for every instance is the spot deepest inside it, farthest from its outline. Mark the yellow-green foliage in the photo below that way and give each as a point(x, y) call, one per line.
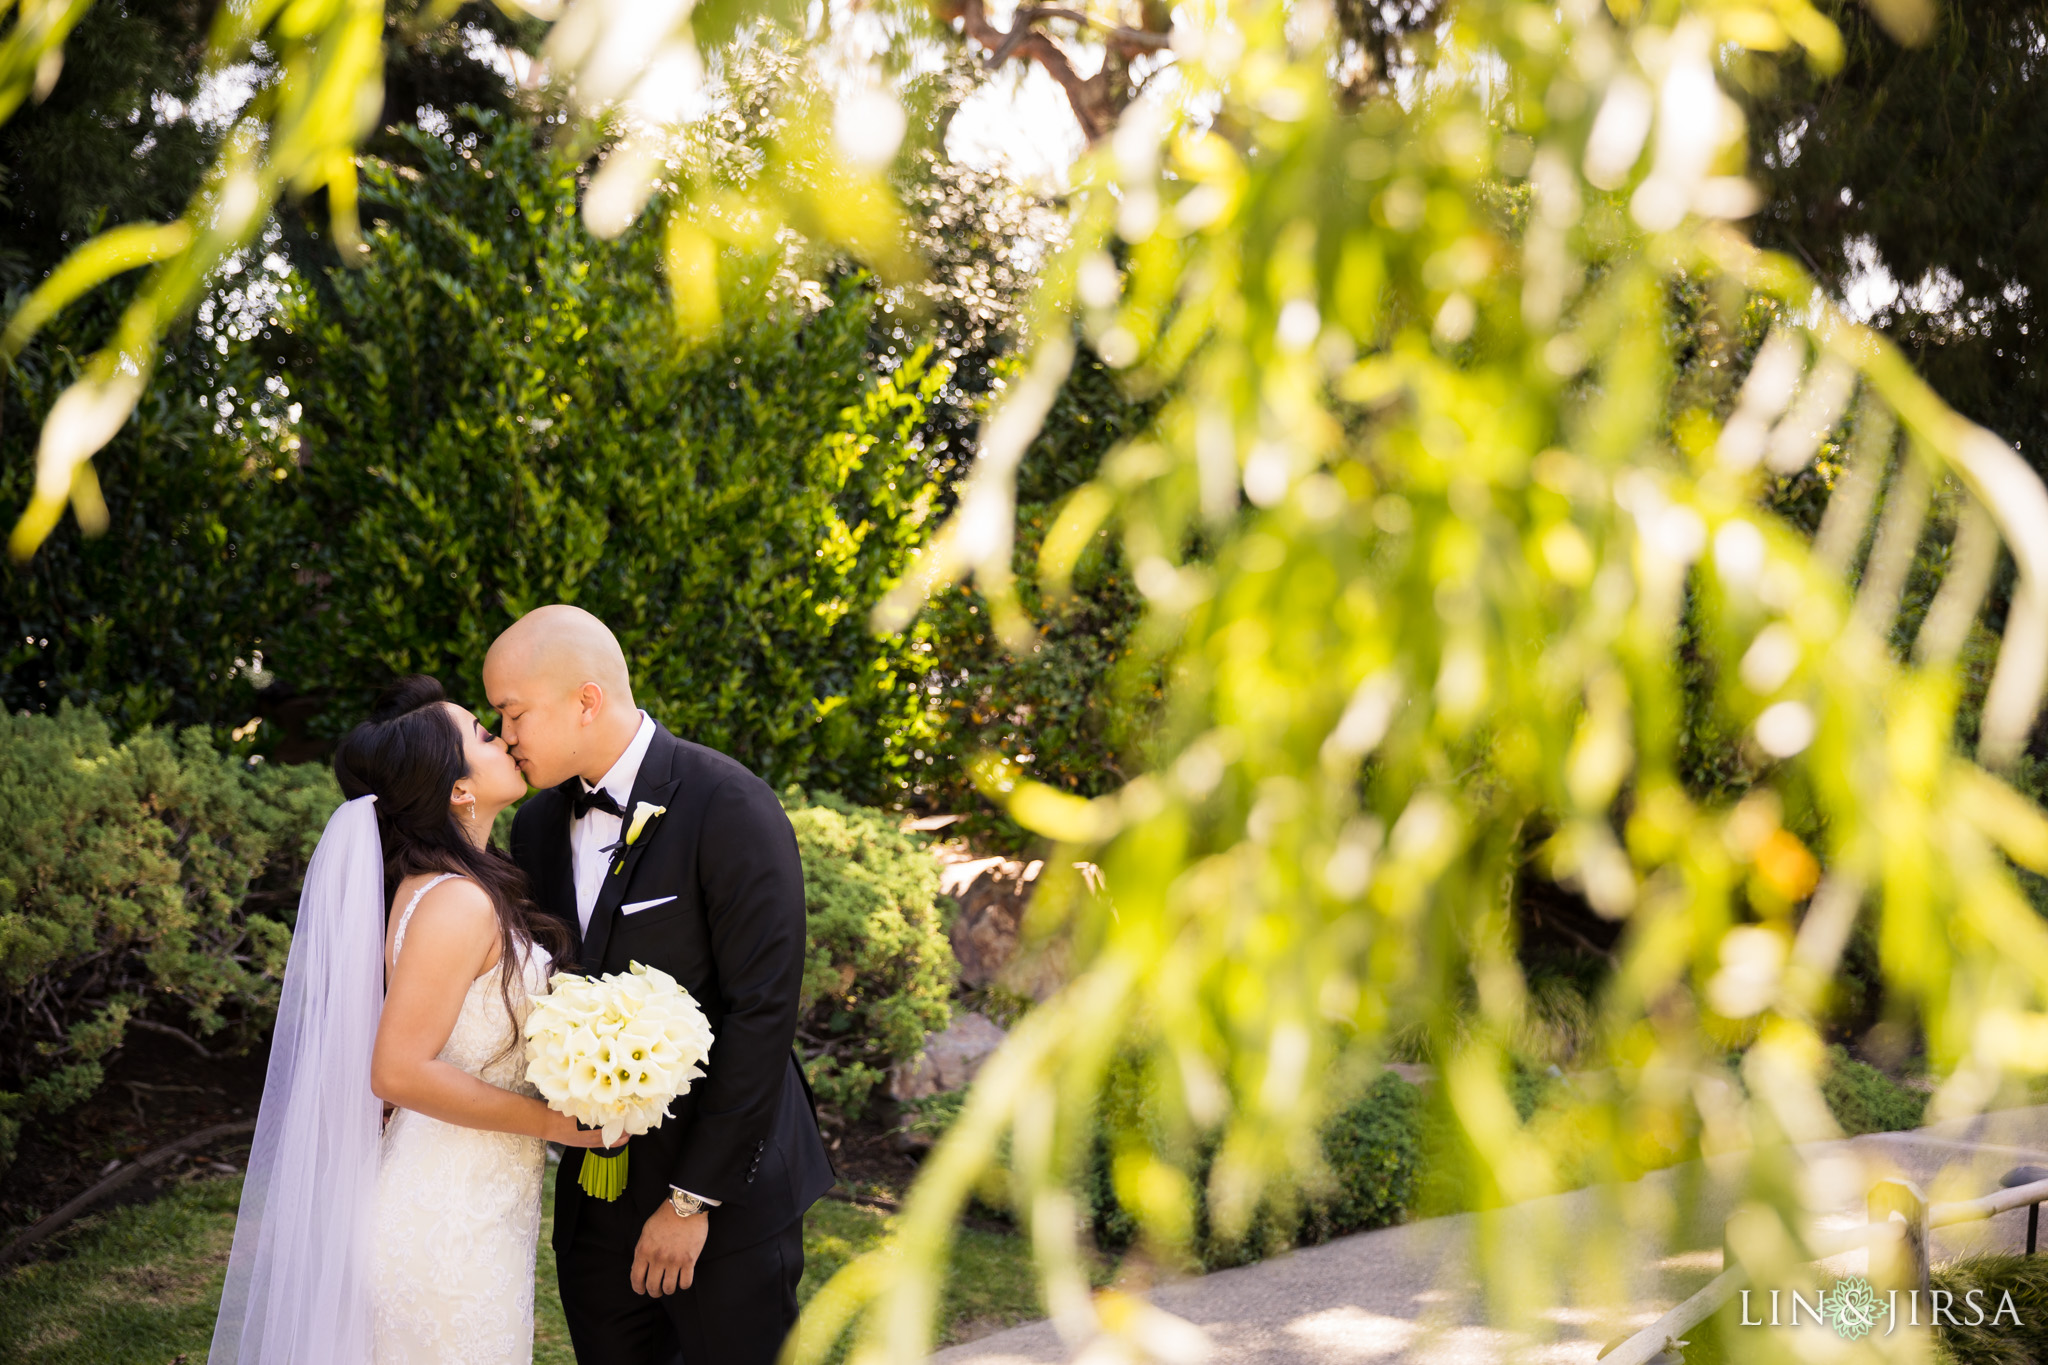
point(1441, 558)
point(878, 969)
point(125, 878)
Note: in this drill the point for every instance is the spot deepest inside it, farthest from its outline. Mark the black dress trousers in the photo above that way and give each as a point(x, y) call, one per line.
point(737, 1311)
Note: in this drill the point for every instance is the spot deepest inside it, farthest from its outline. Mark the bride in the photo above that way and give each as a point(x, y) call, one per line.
point(367, 1241)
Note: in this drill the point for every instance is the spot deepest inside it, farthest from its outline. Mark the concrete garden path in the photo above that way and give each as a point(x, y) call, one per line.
point(1401, 1294)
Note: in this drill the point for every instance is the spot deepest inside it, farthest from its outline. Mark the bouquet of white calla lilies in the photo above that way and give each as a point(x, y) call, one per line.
point(613, 1053)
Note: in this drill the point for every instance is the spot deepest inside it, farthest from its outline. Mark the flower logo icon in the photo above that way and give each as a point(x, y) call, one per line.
point(1853, 1308)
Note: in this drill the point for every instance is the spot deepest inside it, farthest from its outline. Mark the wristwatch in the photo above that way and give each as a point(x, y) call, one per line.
point(685, 1205)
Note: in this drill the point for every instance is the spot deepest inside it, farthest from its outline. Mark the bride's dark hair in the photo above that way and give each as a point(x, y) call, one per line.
point(409, 755)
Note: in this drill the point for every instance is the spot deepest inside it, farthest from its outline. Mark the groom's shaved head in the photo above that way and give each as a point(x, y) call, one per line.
point(564, 698)
point(559, 648)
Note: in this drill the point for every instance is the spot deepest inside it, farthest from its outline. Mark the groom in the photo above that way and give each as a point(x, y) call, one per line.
point(698, 1261)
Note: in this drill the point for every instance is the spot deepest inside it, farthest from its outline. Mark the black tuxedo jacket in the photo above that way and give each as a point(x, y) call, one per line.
point(747, 1132)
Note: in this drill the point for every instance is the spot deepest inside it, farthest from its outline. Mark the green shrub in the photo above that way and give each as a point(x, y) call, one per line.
point(878, 969)
point(929, 1116)
point(127, 879)
point(1373, 1152)
point(497, 411)
point(157, 621)
point(1865, 1100)
point(494, 412)
point(1074, 705)
point(1374, 1149)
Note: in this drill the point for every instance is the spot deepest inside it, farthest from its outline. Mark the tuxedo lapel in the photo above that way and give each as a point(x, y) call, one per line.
point(655, 784)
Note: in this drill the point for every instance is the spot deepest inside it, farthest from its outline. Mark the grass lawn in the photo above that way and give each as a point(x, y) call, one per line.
point(139, 1285)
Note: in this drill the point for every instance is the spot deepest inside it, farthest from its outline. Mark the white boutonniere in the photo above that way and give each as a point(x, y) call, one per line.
point(643, 813)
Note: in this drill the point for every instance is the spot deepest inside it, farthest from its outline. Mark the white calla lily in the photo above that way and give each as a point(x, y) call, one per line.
point(613, 1053)
point(643, 811)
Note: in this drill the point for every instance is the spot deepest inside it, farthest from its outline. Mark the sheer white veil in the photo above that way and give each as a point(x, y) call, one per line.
point(297, 1287)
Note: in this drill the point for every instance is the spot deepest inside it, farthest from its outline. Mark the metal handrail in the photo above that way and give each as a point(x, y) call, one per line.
point(1653, 1340)
point(1647, 1345)
point(1974, 1210)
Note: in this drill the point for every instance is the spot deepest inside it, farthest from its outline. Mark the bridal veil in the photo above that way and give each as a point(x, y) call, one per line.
point(297, 1286)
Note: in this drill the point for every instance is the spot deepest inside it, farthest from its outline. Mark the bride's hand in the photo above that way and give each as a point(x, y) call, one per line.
point(562, 1130)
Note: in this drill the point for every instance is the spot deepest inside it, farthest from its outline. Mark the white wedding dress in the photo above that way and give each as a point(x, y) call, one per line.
point(458, 1209)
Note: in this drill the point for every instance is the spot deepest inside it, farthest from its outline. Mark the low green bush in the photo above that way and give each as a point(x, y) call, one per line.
point(878, 969)
point(1389, 1155)
point(1374, 1152)
point(1865, 1100)
point(929, 1116)
point(153, 878)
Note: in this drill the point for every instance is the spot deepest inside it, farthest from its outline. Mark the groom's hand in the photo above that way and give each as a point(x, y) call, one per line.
point(666, 1259)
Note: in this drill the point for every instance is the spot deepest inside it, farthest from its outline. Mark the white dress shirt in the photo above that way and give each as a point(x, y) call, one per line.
point(591, 832)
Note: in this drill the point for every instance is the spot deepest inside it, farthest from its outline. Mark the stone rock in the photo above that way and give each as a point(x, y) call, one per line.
point(949, 1059)
point(992, 894)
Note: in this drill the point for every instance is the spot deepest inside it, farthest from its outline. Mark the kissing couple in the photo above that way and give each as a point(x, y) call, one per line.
point(392, 1206)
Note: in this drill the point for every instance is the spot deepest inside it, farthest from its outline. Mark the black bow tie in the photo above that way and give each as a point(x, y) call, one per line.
point(598, 799)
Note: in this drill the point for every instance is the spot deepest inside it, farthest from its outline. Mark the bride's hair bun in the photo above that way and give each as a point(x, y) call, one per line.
point(408, 755)
point(406, 695)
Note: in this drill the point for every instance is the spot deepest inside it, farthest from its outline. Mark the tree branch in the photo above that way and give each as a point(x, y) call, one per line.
point(1087, 101)
point(152, 1026)
point(1134, 40)
point(15, 1248)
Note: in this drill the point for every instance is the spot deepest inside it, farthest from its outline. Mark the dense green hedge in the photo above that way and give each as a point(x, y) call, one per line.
point(495, 412)
point(1373, 1151)
point(133, 881)
point(376, 471)
point(498, 412)
point(147, 623)
point(879, 971)
point(1074, 706)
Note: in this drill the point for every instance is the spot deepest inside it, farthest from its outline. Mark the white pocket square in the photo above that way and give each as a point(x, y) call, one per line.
point(637, 906)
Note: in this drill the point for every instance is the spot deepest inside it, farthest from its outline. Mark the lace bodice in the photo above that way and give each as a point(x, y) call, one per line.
point(479, 1042)
point(458, 1209)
